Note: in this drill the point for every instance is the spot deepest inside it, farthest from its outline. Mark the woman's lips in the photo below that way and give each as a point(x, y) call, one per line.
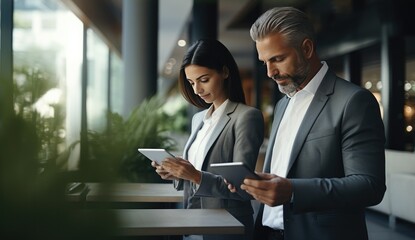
point(204, 96)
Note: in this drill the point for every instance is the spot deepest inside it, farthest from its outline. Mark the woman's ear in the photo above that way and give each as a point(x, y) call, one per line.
point(307, 47)
point(225, 72)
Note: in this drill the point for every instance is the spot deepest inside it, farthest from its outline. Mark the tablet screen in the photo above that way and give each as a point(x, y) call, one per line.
point(156, 154)
point(234, 173)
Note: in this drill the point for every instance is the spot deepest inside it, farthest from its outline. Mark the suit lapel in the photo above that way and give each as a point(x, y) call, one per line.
point(223, 120)
point(278, 113)
point(320, 99)
point(196, 126)
point(198, 122)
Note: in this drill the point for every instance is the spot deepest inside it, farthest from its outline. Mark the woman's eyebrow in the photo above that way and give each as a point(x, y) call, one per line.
point(201, 76)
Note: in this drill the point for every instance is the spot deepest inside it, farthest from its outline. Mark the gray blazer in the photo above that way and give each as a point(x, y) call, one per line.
point(237, 137)
point(337, 164)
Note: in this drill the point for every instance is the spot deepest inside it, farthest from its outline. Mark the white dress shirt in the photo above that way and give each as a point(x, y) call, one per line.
point(198, 150)
point(287, 131)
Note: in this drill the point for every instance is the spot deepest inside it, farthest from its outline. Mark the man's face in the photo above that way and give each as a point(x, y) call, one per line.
point(285, 65)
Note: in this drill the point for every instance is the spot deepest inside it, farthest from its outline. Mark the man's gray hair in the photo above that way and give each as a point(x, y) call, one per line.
point(290, 22)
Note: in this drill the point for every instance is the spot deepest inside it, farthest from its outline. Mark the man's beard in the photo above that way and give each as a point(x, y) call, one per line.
point(295, 80)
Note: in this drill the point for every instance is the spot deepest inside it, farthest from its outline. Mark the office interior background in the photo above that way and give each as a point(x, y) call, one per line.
point(78, 70)
point(72, 46)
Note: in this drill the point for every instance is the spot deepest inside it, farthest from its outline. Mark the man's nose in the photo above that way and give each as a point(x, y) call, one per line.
point(272, 70)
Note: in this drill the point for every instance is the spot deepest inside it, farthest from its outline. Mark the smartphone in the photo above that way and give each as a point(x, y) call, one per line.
point(156, 154)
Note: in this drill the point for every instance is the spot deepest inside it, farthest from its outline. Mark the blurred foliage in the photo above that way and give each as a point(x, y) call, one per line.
point(29, 86)
point(111, 153)
point(33, 204)
point(176, 109)
point(115, 150)
point(178, 120)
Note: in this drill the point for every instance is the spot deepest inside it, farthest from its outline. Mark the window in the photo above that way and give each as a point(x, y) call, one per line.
point(47, 53)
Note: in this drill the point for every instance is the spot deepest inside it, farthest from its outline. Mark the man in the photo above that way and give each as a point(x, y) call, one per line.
point(325, 161)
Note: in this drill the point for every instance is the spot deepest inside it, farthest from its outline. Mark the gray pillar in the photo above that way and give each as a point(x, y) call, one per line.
point(84, 150)
point(204, 20)
point(259, 73)
point(139, 51)
point(353, 67)
point(6, 61)
point(393, 76)
point(204, 24)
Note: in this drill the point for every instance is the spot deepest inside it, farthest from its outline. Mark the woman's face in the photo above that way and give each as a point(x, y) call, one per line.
point(207, 83)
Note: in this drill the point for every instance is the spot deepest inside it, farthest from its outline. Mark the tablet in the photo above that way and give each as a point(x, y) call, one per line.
point(234, 173)
point(156, 154)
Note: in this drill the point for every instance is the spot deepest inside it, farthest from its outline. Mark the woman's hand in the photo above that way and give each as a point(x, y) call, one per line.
point(180, 168)
point(231, 187)
point(162, 172)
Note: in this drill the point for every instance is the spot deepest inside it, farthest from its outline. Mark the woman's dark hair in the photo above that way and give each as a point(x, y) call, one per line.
point(211, 54)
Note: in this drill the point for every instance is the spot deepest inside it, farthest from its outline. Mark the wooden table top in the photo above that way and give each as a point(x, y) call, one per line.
point(133, 192)
point(150, 222)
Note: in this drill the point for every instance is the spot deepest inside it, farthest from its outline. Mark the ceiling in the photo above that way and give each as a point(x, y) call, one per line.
point(105, 17)
point(342, 25)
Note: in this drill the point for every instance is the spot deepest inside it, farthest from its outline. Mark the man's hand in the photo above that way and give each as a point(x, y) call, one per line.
point(271, 189)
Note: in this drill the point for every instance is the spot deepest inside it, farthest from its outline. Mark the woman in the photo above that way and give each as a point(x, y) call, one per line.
point(226, 131)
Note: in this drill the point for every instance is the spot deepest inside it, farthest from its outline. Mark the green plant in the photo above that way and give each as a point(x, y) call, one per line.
point(35, 200)
point(115, 150)
point(36, 100)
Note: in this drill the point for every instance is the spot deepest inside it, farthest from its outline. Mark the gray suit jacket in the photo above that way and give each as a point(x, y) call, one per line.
point(337, 164)
point(237, 137)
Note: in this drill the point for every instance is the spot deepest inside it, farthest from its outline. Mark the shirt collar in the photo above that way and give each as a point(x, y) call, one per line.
point(314, 83)
point(312, 86)
point(217, 113)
